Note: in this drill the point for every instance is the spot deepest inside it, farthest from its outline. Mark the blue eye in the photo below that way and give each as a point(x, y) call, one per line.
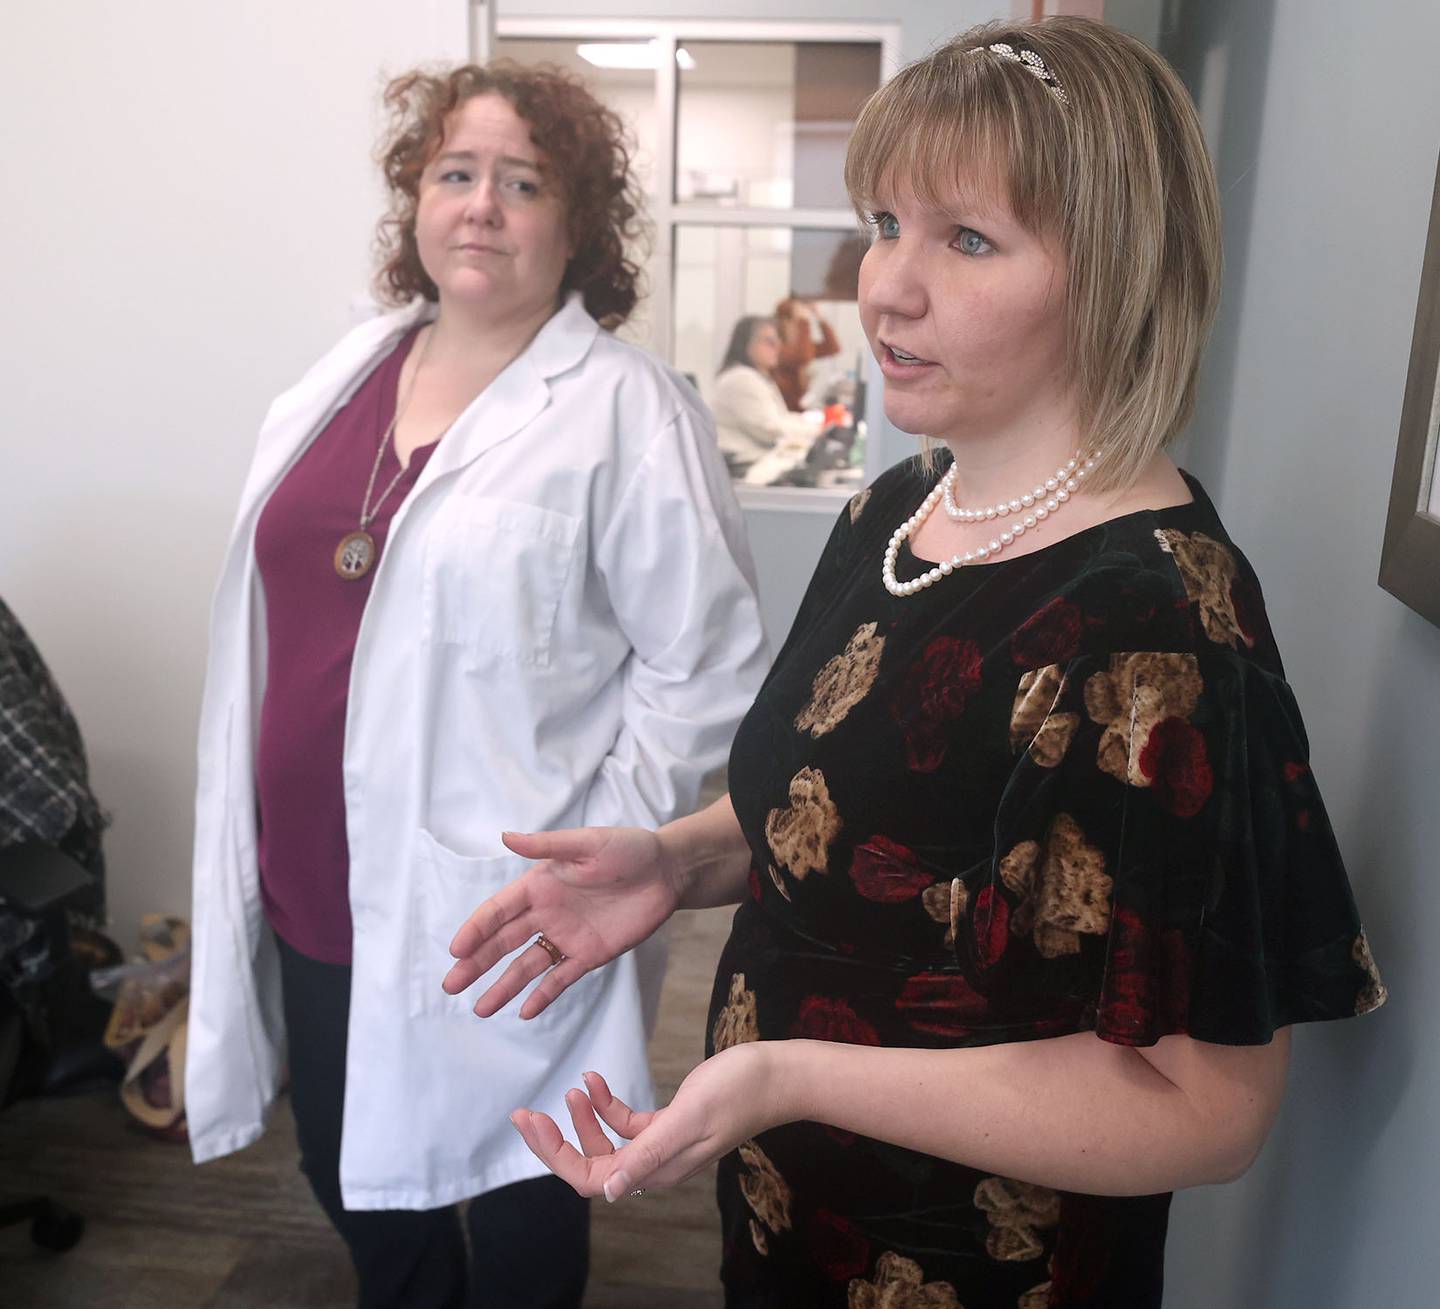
point(887, 226)
point(524, 186)
point(455, 175)
point(970, 242)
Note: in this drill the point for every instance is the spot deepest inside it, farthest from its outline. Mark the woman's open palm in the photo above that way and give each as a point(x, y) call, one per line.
point(595, 893)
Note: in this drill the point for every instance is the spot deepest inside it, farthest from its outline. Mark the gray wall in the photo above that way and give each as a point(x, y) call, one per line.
point(1325, 122)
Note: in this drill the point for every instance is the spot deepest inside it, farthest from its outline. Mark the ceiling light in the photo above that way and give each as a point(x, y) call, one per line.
point(630, 54)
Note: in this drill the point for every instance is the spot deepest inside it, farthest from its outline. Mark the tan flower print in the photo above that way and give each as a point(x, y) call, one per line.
point(1037, 1297)
point(858, 501)
point(945, 902)
point(737, 1022)
point(1136, 693)
point(1374, 992)
point(765, 1191)
point(757, 1235)
point(1208, 570)
point(800, 835)
point(1032, 724)
point(1018, 1212)
point(1063, 889)
point(899, 1284)
point(779, 881)
point(843, 682)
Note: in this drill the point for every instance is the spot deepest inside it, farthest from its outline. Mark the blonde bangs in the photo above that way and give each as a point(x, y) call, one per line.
point(957, 132)
point(1116, 175)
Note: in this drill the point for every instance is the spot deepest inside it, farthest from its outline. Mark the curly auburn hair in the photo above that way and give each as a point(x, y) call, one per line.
point(585, 151)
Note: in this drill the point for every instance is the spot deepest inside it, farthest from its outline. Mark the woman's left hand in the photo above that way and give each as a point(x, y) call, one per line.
point(726, 1100)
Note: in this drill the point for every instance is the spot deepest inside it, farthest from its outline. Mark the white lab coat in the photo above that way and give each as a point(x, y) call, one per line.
point(562, 631)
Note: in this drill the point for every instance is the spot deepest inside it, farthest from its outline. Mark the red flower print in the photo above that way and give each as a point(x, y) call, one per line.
point(1082, 1250)
point(1051, 635)
point(1147, 987)
point(1295, 770)
point(942, 1003)
point(931, 694)
point(1249, 612)
point(1175, 763)
point(992, 926)
point(823, 1019)
point(754, 882)
point(838, 1246)
point(886, 871)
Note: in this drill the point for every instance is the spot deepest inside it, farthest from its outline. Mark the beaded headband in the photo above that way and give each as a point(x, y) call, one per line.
point(1030, 62)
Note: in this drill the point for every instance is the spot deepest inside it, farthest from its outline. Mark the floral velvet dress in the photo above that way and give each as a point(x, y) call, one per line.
point(1063, 792)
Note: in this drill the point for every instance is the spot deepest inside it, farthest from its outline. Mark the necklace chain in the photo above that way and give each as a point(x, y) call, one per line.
point(367, 514)
point(1025, 513)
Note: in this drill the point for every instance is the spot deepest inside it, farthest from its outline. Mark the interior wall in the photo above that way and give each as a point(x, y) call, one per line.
point(1326, 146)
point(188, 212)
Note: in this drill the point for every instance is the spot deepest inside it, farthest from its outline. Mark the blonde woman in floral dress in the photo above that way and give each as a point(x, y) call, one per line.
point(1034, 877)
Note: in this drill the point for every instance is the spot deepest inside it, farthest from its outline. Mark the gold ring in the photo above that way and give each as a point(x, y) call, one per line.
point(557, 955)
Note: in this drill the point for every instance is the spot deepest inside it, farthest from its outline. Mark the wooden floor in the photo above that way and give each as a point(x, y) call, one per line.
point(244, 1232)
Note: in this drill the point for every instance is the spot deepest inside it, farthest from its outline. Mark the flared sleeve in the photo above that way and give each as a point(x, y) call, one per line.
point(1162, 844)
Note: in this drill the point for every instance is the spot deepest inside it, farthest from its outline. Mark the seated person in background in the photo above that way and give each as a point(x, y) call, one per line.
point(798, 323)
point(759, 437)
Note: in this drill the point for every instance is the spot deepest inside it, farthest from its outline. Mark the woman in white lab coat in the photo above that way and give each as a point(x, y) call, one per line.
point(486, 573)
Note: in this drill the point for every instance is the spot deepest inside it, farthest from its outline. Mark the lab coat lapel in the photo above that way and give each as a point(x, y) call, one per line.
point(300, 412)
point(518, 395)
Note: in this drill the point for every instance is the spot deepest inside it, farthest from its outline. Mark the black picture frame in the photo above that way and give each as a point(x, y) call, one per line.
point(1410, 558)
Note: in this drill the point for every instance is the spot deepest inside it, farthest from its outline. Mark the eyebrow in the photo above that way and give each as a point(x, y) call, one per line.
point(468, 156)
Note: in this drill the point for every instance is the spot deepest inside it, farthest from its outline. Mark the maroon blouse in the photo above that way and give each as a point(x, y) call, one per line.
point(312, 619)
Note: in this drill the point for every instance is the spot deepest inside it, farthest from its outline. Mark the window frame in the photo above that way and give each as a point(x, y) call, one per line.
point(668, 214)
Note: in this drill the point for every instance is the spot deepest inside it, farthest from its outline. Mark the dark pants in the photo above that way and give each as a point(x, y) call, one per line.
point(529, 1243)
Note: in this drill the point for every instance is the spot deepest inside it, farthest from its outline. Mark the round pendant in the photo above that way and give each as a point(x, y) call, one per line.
point(354, 555)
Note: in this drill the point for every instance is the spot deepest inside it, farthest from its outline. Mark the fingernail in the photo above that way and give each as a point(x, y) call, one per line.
point(616, 1185)
point(515, 1118)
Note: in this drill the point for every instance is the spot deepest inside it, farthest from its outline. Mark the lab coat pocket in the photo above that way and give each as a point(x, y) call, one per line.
point(451, 887)
point(494, 574)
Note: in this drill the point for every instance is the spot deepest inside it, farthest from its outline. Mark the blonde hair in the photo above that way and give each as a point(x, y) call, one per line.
point(1116, 174)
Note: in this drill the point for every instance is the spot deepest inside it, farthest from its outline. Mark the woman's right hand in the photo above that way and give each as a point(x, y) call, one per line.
point(595, 892)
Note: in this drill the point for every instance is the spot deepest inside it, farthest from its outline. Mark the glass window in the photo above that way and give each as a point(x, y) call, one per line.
point(764, 124)
point(766, 325)
point(749, 283)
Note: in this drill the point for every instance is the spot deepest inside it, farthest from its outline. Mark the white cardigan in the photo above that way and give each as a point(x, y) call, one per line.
point(757, 432)
point(562, 631)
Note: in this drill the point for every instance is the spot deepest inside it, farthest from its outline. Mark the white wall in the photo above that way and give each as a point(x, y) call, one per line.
point(1325, 124)
point(187, 215)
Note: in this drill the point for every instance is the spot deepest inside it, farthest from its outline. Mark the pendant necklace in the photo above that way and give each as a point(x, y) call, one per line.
point(355, 555)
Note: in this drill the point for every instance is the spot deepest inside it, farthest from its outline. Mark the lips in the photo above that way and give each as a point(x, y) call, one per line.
point(899, 364)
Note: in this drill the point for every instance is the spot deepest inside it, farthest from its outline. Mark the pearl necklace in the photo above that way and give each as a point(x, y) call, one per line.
point(1028, 512)
point(1051, 494)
